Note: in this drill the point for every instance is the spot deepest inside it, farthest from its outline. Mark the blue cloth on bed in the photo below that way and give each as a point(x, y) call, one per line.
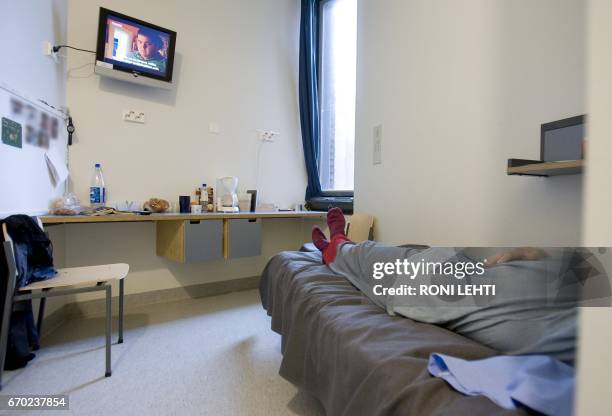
point(538, 382)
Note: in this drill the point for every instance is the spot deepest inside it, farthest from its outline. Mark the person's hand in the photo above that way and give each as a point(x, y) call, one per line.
point(520, 253)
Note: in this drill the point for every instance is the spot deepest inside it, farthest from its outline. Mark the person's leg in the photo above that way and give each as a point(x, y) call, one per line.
point(318, 239)
point(329, 254)
point(336, 222)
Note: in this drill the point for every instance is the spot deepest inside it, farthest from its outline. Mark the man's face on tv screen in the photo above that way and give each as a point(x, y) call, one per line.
point(146, 47)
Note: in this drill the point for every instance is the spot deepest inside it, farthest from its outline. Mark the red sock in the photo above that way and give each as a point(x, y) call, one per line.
point(336, 222)
point(329, 255)
point(319, 239)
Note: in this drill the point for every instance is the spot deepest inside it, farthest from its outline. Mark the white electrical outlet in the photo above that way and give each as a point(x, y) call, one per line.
point(377, 151)
point(134, 116)
point(47, 48)
point(48, 51)
point(266, 135)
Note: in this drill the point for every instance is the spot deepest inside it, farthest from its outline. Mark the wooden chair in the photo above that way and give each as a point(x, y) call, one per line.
point(360, 227)
point(87, 279)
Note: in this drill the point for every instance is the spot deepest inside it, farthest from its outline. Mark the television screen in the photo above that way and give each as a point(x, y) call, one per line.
point(135, 46)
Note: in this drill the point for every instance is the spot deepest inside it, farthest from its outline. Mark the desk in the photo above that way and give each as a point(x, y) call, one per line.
point(181, 238)
point(71, 219)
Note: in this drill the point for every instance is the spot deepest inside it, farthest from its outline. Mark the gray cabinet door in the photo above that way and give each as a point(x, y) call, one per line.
point(203, 240)
point(244, 238)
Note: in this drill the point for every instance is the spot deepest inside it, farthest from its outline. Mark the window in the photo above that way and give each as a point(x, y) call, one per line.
point(338, 62)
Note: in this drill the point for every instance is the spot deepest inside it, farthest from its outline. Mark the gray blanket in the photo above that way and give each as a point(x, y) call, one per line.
point(532, 312)
point(350, 354)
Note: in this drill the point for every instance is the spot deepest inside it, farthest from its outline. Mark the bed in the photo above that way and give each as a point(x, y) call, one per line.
point(353, 357)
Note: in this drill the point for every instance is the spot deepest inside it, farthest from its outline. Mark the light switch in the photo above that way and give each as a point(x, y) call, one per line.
point(377, 151)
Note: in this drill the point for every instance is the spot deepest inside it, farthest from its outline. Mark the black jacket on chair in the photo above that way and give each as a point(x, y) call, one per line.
point(34, 260)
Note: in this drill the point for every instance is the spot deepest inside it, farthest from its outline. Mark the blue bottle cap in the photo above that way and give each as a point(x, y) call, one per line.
point(97, 165)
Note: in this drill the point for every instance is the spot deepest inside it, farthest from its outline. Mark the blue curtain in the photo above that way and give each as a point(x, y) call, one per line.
point(309, 97)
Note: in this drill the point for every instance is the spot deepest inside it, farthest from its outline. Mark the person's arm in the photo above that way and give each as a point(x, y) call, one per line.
point(519, 253)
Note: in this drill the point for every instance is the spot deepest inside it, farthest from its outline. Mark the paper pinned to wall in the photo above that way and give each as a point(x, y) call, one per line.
point(58, 172)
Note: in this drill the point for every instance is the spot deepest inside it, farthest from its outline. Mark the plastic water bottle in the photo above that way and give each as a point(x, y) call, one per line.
point(97, 190)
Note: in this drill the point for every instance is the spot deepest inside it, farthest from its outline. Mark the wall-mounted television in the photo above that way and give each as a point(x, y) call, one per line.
point(133, 50)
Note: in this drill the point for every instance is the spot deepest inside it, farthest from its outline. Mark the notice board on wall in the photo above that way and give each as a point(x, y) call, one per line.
point(33, 154)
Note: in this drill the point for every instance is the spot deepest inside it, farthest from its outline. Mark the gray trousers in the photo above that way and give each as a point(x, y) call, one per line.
point(532, 311)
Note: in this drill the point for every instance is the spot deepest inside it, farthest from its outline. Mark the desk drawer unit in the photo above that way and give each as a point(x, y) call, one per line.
point(190, 241)
point(244, 238)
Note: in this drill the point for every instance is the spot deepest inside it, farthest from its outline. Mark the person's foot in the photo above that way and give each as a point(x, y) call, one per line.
point(336, 221)
point(319, 239)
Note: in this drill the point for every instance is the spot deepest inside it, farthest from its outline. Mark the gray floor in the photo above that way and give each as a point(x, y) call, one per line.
point(213, 356)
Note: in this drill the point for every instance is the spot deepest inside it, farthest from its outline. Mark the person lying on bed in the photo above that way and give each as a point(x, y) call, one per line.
point(532, 311)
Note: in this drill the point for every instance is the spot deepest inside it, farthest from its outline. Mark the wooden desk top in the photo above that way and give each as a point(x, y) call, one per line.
point(75, 219)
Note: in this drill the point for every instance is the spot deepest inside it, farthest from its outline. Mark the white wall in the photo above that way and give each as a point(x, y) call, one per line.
point(24, 68)
point(596, 336)
point(598, 190)
point(236, 65)
point(460, 87)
